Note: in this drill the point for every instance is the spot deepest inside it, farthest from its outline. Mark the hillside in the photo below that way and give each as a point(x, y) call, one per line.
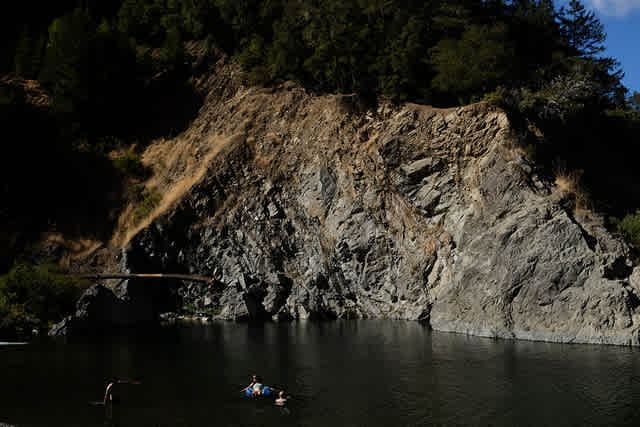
point(290, 153)
point(306, 206)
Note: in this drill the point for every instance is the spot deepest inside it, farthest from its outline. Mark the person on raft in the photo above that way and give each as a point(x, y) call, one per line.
point(257, 388)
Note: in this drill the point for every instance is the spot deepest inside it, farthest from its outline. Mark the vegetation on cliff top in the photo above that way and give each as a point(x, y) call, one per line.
point(435, 52)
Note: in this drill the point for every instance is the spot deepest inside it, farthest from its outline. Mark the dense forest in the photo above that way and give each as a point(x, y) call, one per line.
point(111, 70)
point(89, 53)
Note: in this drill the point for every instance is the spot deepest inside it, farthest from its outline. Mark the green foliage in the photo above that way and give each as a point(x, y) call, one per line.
point(36, 293)
point(443, 52)
point(87, 69)
point(65, 69)
point(629, 227)
point(193, 309)
point(531, 151)
point(142, 20)
point(28, 56)
point(173, 48)
point(108, 143)
point(582, 30)
point(145, 201)
point(130, 165)
point(575, 90)
point(629, 115)
point(403, 65)
point(251, 57)
point(473, 65)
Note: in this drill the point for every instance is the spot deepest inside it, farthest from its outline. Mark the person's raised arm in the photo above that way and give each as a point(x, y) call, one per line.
point(247, 387)
point(106, 392)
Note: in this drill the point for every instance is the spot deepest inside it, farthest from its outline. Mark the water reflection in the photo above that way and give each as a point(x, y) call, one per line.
point(375, 373)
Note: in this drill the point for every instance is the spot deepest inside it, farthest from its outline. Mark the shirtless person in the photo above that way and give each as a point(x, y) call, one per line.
point(282, 399)
point(108, 393)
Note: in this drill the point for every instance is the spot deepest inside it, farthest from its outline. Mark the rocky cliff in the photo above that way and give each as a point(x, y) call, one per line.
point(308, 206)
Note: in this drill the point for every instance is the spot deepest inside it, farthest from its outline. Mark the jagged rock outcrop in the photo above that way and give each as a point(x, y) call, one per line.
point(314, 207)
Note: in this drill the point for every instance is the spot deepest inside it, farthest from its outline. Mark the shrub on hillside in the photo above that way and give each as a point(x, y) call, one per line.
point(629, 226)
point(106, 144)
point(148, 200)
point(130, 164)
point(36, 294)
point(565, 96)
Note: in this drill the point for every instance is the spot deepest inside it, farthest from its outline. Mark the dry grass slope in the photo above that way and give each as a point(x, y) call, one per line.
point(177, 165)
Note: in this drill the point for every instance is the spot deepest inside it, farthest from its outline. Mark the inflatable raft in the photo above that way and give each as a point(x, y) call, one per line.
point(266, 391)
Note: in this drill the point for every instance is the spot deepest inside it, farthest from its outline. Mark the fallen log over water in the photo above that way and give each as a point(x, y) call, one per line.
point(189, 277)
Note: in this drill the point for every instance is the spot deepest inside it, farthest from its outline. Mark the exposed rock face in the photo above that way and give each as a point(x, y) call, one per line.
point(315, 208)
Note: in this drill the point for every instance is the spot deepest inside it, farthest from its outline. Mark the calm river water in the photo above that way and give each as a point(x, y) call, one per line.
point(344, 373)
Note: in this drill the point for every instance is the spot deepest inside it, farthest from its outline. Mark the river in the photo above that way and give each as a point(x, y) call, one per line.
point(343, 373)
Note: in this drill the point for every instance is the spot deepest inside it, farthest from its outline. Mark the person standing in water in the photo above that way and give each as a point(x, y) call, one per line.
point(110, 395)
point(109, 392)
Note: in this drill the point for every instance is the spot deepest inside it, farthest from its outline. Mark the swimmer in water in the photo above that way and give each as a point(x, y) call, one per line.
point(109, 392)
point(282, 399)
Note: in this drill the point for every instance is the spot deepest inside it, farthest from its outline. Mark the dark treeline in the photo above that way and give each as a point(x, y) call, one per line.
point(115, 72)
point(435, 51)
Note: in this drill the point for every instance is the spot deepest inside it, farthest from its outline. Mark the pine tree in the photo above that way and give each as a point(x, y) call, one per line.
point(474, 65)
point(65, 70)
point(23, 56)
point(582, 30)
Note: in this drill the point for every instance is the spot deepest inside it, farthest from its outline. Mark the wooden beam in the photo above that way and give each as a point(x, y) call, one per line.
point(188, 277)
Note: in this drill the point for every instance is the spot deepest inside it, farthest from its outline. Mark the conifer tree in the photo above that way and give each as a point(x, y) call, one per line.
point(65, 70)
point(582, 30)
point(475, 64)
point(23, 54)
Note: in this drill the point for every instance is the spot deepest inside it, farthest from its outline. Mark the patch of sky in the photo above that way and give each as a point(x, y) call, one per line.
point(621, 19)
